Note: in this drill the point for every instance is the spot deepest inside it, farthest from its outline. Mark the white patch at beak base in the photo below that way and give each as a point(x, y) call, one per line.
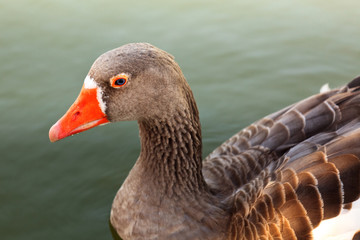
point(99, 96)
point(89, 83)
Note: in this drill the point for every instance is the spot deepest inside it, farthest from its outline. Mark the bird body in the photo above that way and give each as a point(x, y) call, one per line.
point(276, 179)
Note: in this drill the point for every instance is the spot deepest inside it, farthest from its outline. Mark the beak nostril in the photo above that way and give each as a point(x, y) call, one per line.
point(75, 116)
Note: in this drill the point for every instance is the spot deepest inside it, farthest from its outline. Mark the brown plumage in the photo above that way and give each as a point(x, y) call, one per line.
point(276, 179)
point(357, 236)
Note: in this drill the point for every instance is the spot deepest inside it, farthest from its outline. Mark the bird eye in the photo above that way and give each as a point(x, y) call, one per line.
point(119, 80)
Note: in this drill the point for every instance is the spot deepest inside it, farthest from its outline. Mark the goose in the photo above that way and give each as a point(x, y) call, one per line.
point(278, 178)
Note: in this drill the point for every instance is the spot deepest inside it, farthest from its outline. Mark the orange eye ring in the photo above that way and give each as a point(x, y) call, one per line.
point(119, 80)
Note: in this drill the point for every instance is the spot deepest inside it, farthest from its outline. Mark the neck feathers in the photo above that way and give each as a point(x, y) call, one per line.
point(171, 150)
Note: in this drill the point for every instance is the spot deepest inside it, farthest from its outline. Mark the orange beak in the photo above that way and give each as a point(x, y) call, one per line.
point(85, 113)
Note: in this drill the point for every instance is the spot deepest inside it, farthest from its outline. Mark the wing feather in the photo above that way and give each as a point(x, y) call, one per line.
point(287, 172)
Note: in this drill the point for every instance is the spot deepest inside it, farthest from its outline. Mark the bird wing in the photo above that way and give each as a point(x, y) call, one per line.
point(284, 174)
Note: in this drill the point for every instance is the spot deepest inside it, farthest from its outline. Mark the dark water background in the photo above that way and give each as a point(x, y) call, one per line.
point(243, 59)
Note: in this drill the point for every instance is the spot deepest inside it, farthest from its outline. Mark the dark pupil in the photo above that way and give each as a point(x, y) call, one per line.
point(120, 81)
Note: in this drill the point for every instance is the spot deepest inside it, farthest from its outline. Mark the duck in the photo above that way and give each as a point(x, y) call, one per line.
point(278, 178)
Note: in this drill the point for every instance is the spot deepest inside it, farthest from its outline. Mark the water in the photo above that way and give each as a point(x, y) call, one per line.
point(243, 60)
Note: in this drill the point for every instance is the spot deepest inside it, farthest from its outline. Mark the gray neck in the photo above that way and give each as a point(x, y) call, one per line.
point(167, 181)
point(171, 149)
point(171, 153)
